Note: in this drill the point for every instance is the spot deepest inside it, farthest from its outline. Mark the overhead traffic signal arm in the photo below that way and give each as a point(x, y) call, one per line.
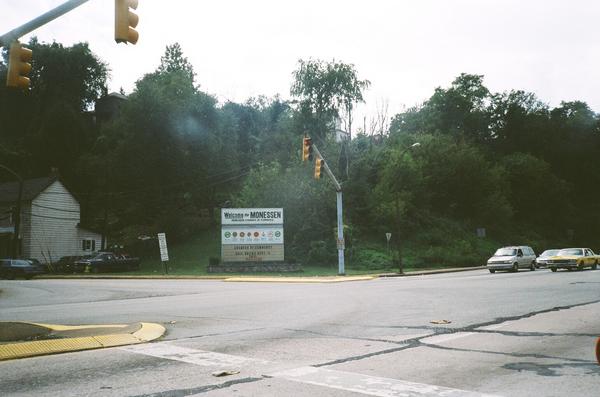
point(126, 21)
point(18, 66)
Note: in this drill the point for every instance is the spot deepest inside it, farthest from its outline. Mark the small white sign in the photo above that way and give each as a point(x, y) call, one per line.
point(388, 236)
point(162, 244)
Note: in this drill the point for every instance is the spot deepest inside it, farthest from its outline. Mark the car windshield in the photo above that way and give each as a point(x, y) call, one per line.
point(506, 252)
point(571, 251)
point(549, 253)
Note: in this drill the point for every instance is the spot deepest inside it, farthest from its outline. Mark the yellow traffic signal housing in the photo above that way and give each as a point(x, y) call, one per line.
point(18, 66)
point(318, 165)
point(307, 149)
point(126, 21)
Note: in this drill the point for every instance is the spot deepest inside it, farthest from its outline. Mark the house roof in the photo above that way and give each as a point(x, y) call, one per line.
point(9, 192)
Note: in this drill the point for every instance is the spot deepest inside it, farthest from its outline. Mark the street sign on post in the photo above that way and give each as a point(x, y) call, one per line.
point(164, 252)
point(388, 236)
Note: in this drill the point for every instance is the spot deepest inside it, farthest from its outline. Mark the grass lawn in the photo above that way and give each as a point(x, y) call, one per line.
point(191, 259)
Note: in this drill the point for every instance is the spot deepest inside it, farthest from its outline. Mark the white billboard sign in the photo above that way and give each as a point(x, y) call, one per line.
point(252, 235)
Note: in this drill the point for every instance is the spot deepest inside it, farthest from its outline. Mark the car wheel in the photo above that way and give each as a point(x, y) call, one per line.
point(28, 277)
point(595, 265)
point(580, 267)
point(492, 271)
point(515, 268)
point(553, 269)
point(532, 267)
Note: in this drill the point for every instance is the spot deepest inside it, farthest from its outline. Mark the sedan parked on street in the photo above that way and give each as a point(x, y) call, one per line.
point(574, 258)
point(512, 259)
point(542, 260)
point(12, 268)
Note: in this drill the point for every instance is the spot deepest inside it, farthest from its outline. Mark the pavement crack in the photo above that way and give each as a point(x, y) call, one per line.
point(527, 334)
point(553, 369)
point(199, 389)
point(417, 342)
point(363, 356)
point(345, 337)
point(519, 355)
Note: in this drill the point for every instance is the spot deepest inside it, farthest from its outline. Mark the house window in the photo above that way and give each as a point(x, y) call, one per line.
point(88, 245)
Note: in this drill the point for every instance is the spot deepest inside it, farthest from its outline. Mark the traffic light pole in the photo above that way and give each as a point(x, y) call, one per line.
point(7, 38)
point(340, 223)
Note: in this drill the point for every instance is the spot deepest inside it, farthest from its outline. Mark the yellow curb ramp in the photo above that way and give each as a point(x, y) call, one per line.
point(317, 280)
point(146, 332)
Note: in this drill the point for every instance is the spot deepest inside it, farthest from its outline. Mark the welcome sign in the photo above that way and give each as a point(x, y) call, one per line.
point(252, 235)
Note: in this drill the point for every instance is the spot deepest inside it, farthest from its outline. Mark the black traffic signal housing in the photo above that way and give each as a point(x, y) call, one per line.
point(18, 66)
point(126, 21)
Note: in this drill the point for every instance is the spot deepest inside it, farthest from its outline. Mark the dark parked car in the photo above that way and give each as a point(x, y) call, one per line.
point(106, 262)
point(66, 264)
point(11, 268)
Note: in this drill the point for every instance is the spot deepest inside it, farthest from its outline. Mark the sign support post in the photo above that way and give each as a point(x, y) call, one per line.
point(164, 252)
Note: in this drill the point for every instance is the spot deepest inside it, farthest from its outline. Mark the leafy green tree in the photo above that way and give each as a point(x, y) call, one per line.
point(48, 125)
point(309, 208)
point(326, 91)
point(459, 111)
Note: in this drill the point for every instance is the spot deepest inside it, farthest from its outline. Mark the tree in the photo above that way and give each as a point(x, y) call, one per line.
point(459, 111)
point(326, 91)
point(47, 125)
point(174, 61)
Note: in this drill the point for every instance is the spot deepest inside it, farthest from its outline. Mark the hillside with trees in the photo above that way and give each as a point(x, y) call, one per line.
point(507, 162)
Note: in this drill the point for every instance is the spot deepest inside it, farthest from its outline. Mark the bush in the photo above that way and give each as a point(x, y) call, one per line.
point(371, 259)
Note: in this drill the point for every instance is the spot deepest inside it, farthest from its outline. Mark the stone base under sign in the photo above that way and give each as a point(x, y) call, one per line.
point(254, 267)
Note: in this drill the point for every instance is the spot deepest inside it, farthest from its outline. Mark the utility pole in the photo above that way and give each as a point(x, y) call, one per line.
point(340, 223)
point(15, 243)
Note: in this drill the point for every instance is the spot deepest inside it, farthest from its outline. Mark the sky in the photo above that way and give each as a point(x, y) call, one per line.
point(406, 48)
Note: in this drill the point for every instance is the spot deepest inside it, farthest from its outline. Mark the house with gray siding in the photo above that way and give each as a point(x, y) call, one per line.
point(50, 221)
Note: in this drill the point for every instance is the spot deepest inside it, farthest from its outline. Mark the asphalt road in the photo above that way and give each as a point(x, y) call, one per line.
point(509, 334)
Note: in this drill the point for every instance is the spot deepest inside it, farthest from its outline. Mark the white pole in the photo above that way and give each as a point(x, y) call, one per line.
point(340, 243)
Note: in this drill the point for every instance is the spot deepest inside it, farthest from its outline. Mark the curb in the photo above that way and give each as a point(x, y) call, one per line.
point(313, 280)
point(428, 272)
point(124, 277)
point(273, 279)
point(147, 332)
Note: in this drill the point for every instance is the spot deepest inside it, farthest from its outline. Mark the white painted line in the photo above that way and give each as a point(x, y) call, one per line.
point(191, 356)
point(369, 385)
point(341, 380)
point(437, 339)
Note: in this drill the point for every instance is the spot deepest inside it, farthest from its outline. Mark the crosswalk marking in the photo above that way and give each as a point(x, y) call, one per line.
point(191, 356)
point(369, 385)
point(341, 380)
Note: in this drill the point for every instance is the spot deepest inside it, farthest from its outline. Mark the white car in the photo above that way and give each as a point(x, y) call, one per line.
point(542, 260)
point(512, 259)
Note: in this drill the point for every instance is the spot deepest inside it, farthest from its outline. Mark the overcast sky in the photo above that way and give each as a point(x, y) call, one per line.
point(243, 48)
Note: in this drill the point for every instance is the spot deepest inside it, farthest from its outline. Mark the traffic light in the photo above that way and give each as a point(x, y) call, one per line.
point(307, 149)
point(318, 165)
point(126, 21)
point(18, 66)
